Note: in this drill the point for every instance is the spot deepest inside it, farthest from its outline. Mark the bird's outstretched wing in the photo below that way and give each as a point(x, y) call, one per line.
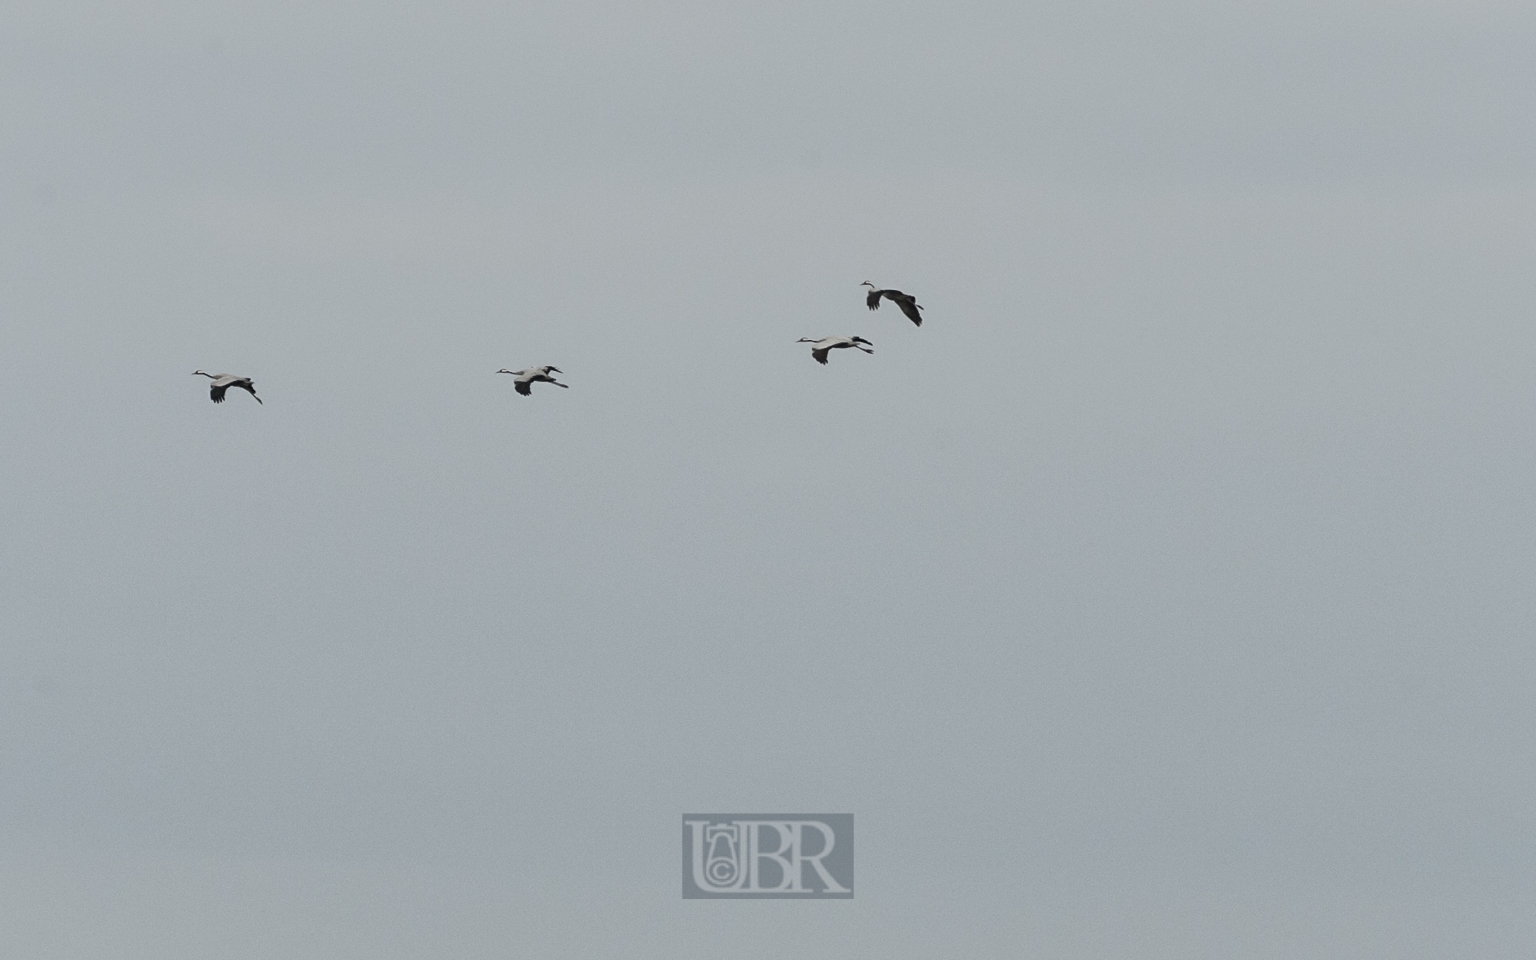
point(910, 307)
point(216, 391)
point(873, 299)
point(821, 355)
point(523, 387)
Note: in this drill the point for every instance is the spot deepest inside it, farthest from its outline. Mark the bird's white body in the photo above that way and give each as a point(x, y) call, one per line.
point(523, 380)
point(223, 381)
point(820, 348)
point(906, 302)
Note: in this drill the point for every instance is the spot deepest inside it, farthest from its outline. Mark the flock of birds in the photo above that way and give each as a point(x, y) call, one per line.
point(523, 380)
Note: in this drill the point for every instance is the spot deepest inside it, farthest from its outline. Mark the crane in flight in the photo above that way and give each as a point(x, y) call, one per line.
point(820, 347)
point(523, 380)
point(223, 381)
point(905, 301)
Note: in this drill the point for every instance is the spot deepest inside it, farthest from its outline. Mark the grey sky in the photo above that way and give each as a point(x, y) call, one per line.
point(1166, 595)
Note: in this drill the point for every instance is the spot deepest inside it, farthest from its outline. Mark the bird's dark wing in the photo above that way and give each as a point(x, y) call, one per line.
point(216, 391)
point(909, 307)
point(821, 356)
point(873, 300)
point(523, 387)
point(248, 387)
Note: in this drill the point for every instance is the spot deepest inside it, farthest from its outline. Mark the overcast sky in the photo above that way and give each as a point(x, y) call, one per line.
point(1167, 594)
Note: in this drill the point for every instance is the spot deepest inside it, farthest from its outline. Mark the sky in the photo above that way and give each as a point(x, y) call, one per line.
point(1167, 594)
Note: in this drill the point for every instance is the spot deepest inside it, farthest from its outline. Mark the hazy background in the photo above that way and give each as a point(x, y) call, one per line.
point(1168, 594)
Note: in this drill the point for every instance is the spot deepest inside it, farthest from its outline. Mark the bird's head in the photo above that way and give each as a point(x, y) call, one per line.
point(805, 340)
point(513, 372)
point(866, 283)
point(199, 373)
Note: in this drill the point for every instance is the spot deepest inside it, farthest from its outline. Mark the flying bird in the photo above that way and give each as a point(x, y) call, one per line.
point(820, 347)
point(905, 301)
point(523, 380)
point(223, 381)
